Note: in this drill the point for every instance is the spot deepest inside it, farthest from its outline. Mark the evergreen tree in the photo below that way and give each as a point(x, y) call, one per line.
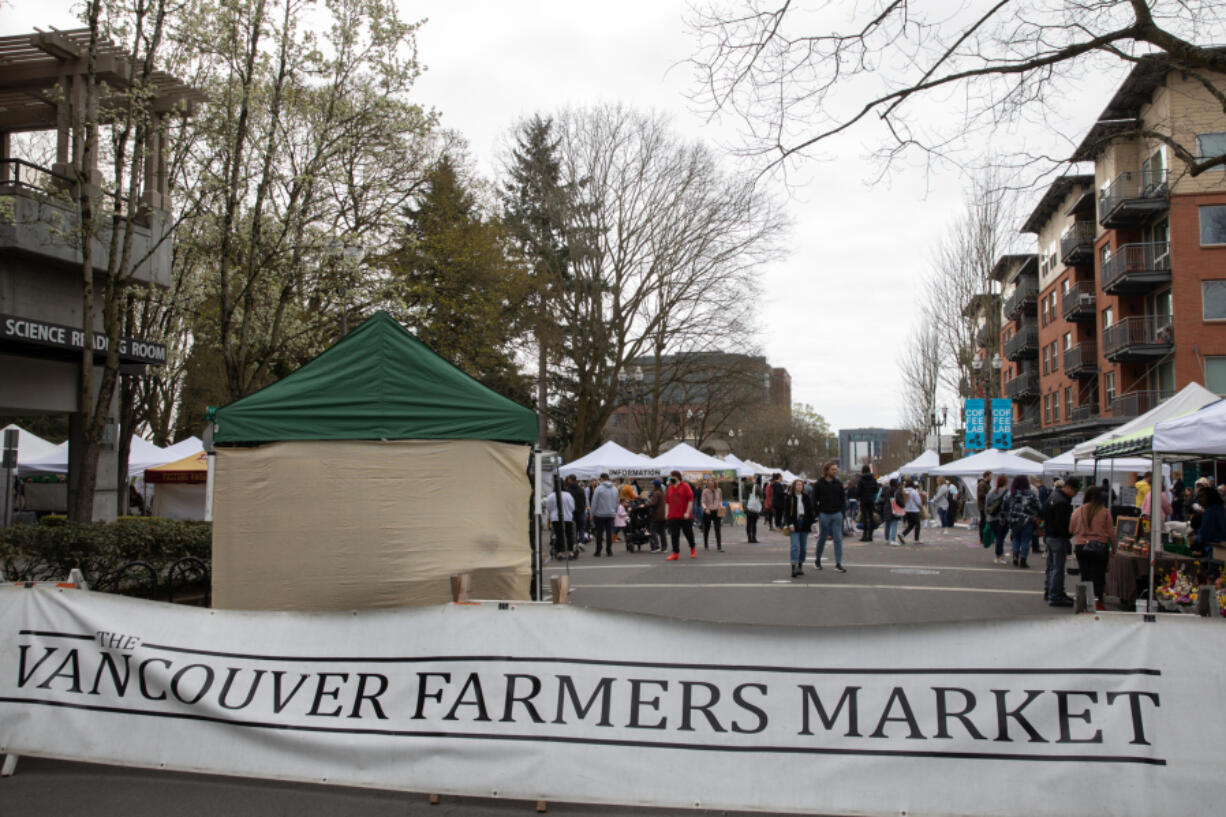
point(455, 285)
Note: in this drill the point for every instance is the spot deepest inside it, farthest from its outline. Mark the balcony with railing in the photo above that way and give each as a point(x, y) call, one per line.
point(39, 219)
point(1136, 403)
point(1024, 344)
point(1025, 297)
point(982, 335)
point(1133, 198)
point(1081, 360)
point(1083, 413)
point(1077, 244)
point(1023, 387)
point(1139, 338)
point(1080, 302)
point(1135, 269)
point(1026, 428)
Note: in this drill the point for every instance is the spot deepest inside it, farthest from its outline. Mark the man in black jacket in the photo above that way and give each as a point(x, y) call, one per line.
point(576, 490)
point(830, 499)
point(866, 493)
point(1058, 539)
point(779, 497)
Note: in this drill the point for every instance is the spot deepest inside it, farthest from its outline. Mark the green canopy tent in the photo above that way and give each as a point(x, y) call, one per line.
point(368, 477)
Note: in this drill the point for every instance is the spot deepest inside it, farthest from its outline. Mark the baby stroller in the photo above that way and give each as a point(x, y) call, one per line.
point(638, 528)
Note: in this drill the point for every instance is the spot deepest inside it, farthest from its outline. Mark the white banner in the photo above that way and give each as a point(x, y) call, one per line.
point(1071, 715)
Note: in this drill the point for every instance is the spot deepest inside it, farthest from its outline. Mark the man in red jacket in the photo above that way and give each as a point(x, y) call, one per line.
point(680, 501)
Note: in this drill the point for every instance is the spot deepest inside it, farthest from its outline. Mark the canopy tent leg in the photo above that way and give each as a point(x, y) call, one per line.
point(1155, 527)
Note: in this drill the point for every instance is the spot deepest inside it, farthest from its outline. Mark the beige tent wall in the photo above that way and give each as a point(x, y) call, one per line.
point(341, 525)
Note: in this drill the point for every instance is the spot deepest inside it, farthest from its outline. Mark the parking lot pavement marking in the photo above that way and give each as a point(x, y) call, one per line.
point(858, 565)
point(789, 584)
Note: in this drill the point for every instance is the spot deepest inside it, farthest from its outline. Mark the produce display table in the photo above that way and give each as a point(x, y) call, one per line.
point(1125, 568)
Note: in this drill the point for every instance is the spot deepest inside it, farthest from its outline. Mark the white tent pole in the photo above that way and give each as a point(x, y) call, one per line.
point(1155, 528)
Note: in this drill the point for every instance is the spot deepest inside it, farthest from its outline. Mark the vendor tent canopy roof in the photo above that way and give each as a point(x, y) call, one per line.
point(922, 464)
point(31, 446)
point(998, 462)
point(1136, 436)
point(743, 469)
point(685, 457)
point(378, 382)
point(192, 468)
point(1202, 433)
point(1066, 464)
point(142, 454)
point(610, 458)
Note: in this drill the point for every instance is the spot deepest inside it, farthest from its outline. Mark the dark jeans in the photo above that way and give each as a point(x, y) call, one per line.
point(711, 518)
point(751, 526)
point(779, 515)
point(1022, 534)
point(999, 531)
point(1093, 569)
point(676, 527)
point(866, 519)
point(913, 524)
point(659, 535)
point(604, 530)
point(1057, 556)
point(563, 537)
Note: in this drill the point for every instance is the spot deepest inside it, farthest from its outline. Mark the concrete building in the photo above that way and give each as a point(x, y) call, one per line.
point(1124, 301)
point(43, 330)
point(858, 446)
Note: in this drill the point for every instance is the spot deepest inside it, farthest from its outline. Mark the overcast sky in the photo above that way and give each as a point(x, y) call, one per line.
point(837, 311)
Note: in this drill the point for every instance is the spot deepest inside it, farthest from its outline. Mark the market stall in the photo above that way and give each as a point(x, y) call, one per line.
point(179, 487)
point(692, 463)
point(921, 465)
point(611, 459)
point(367, 478)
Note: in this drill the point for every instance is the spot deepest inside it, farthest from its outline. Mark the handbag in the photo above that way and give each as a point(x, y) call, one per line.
point(720, 511)
point(753, 504)
point(989, 537)
point(1096, 548)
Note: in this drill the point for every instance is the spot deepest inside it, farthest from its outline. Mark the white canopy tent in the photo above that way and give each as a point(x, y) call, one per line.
point(1066, 464)
point(922, 464)
point(1029, 453)
point(142, 454)
point(31, 446)
point(1200, 434)
point(611, 459)
point(998, 462)
point(1191, 398)
point(743, 469)
point(685, 457)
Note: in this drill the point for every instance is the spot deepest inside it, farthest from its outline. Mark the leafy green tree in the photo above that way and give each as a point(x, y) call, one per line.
point(454, 282)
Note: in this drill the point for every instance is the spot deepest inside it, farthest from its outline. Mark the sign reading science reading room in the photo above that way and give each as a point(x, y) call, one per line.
point(487, 701)
point(16, 329)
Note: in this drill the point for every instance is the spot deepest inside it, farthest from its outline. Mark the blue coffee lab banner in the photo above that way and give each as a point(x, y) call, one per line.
point(1002, 423)
point(976, 427)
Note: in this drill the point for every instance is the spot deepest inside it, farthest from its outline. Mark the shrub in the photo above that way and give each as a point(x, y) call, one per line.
point(46, 552)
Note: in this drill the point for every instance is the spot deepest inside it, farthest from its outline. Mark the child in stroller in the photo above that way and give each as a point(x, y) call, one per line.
point(638, 531)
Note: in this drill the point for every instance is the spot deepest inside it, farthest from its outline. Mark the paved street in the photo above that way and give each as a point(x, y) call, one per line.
point(949, 577)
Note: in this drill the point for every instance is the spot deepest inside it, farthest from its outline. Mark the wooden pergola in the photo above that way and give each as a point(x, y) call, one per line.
point(43, 79)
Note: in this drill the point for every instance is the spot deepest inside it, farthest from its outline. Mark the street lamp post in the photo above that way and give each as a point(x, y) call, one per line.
point(348, 256)
point(623, 379)
point(937, 422)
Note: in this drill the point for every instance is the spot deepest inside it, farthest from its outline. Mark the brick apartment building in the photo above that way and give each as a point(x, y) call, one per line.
point(1124, 301)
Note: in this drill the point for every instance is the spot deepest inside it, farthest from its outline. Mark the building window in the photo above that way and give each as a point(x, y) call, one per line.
point(1108, 388)
point(1213, 300)
point(1068, 340)
point(1209, 145)
point(1213, 224)
point(1055, 407)
point(1068, 402)
point(1047, 409)
point(1046, 359)
point(1104, 255)
point(1064, 287)
point(1043, 314)
point(1215, 374)
point(1108, 317)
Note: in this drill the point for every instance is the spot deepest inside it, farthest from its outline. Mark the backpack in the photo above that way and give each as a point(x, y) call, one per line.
point(994, 508)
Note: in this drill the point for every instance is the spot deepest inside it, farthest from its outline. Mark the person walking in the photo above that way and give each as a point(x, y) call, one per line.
point(1021, 512)
point(798, 517)
point(830, 497)
point(913, 506)
point(577, 493)
point(942, 502)
point(1058, 538)
point(604, 511)
point(753, 509)
point(712, 506)
point(679, 499)
point(779, 493)
point(994, 509)
point(1092, 531)
point(982, 489)
point(891, 512)
point(866, 492)
point(768, 508)
point(659, 517)
point(560, 506)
